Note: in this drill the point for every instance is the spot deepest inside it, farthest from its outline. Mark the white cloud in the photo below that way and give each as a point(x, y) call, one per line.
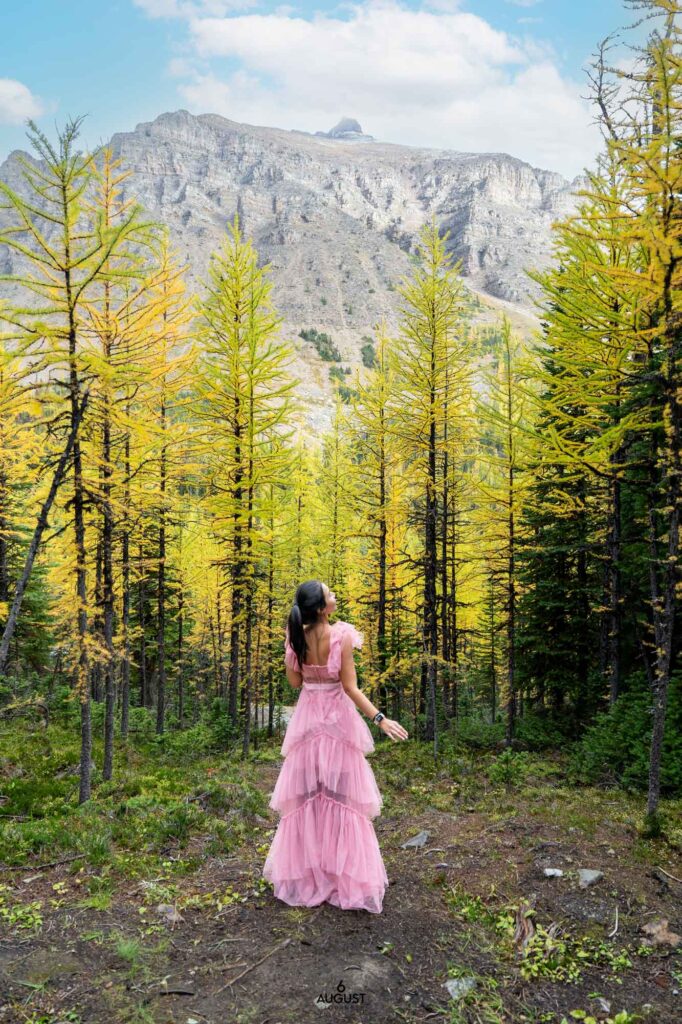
point(17, 102)
point(444, 79)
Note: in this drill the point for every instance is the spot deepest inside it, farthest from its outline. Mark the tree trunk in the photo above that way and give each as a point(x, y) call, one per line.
point(4, 541)
point(144, 692)
point(161, 607)
point(125, 610)
point(40, 527)
point(511, 589)
point(82, 675)
point(614, 590)
point(430, 559)
point(382, 645)
point(664, 594)
point(108, 595)
point(237, 574)
point(181, 687)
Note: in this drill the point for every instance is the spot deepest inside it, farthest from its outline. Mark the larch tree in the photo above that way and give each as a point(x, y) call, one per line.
point(615, 317)
point(27, 487)
point(649, 143)
point(504, 482)
point(333, 503)
point(376, 462)
point(140, 367)
point(245, 391)
point(169, 398)
point(275, 531)
point(431, 365)
point(112, 370)
point(589, 360)
point(64, 253)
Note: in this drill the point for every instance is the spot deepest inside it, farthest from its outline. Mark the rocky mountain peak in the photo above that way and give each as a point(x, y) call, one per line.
point(347, 129)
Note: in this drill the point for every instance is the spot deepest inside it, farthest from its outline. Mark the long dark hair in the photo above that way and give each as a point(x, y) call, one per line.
point(309, 600)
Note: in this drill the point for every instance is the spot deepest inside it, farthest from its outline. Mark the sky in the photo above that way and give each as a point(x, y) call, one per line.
point(468, 75)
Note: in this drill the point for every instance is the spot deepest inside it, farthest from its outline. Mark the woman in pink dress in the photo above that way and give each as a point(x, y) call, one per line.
point(325, 848)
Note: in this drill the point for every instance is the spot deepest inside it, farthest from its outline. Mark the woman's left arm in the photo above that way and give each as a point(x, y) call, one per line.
point(295, 678)
point(290, 663)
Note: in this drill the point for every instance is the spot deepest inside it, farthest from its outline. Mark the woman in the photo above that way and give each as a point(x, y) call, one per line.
point(325, 847)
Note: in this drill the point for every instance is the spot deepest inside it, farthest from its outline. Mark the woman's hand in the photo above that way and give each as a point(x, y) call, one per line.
point(393, 729)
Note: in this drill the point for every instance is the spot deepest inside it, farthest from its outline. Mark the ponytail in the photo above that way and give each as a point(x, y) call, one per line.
point(308, 602)
point(295, 633)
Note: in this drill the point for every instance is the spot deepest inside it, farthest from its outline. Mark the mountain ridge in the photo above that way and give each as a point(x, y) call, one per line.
point(337, 220)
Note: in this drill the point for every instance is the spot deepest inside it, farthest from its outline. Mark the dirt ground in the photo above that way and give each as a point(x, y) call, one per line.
point(253, 959)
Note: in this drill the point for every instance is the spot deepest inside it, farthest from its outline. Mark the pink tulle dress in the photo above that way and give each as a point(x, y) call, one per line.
point(325, 848)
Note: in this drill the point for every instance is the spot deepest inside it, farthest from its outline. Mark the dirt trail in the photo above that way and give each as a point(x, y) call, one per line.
point(257, 960)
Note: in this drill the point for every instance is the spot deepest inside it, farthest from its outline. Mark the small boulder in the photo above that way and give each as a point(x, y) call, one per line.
point(458, 987)
point(171, 913)
point(553, 873)
point(416, 841)
point(588, 877)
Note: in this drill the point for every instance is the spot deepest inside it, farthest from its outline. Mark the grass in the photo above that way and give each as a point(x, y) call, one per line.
point(482, 1003)
point(127, 948)
point(24, 917)
point(549, 955)
point(153, 804)
point(206, 806)
point(65, 1017)
point(168, 811)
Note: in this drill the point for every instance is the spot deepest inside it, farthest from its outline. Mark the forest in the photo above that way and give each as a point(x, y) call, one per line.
point(499, 516)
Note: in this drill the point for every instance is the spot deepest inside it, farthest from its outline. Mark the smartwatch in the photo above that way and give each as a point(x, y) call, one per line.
point(378, 717)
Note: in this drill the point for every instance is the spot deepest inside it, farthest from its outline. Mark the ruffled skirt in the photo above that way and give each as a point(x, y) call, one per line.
point(325, 848)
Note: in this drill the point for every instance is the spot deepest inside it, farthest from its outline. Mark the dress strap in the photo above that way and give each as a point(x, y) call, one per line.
point(342, 629)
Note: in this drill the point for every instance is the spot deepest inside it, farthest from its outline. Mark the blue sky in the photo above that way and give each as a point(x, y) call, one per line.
point(472, 75)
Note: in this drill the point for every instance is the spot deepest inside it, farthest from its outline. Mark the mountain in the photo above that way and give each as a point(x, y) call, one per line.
point(348, 129)
point(337, 214)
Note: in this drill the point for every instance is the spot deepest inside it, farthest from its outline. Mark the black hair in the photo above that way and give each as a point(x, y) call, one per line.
point(309, 600)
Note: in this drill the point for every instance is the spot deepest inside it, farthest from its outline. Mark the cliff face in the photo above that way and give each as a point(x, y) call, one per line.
point(293, 189)
point(336, 216)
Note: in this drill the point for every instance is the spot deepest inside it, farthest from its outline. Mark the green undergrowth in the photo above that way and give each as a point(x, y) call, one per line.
point(173, 806)
point(548, 956)
point(505, 784)
point(171, 799)
point(157, 804)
